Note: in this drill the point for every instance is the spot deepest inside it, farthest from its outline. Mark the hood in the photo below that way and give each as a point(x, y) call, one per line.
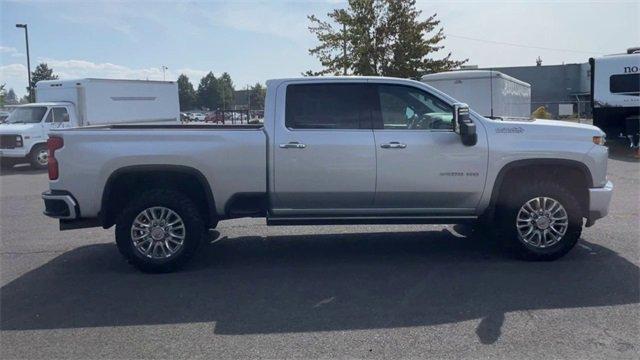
point(18, 128)
point(548, 128)
point(567, 125)
point(544, 130)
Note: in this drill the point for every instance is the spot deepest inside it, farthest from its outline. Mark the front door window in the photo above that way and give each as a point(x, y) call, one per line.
point(407, 108)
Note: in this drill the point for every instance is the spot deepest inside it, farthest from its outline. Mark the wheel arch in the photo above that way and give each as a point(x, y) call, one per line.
point(35, 145)
point(575, 170)
point(183, 178)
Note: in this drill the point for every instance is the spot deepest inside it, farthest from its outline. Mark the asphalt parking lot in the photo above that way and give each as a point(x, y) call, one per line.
point(318, 292)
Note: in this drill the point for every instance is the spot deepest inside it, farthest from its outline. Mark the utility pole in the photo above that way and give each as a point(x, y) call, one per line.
point(164, 68)
point(248, 98)
point(26, 39)
point(223, 100)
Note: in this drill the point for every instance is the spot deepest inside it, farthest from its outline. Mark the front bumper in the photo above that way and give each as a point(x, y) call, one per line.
point(599, 200)
point(60, 205)
point(14, 153)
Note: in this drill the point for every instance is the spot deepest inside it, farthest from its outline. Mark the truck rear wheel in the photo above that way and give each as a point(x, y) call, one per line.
point(39, 157)
point(159, 231)
point(540, 221)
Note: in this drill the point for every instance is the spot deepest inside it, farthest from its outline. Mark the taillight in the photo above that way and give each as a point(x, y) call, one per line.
point(54, 143)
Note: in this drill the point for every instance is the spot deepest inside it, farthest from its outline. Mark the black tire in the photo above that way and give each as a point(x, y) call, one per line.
point(175, 201)
point(510, 206)
point(7, 163)
point(36, 157)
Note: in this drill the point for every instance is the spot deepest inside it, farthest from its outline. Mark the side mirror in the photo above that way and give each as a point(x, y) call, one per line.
point(464, 126)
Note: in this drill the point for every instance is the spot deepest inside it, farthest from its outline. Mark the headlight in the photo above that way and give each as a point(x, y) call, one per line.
point(18, 141)
point(599, 140)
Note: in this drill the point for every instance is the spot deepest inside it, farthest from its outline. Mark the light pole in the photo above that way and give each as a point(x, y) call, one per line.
point(248, 98)
point(26, 39)
point(164, 68)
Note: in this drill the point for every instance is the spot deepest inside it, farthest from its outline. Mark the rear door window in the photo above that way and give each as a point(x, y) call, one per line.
point(328, 106)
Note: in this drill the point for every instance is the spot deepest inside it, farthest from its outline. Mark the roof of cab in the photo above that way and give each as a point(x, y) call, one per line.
point(49, 103)
point(315, 79)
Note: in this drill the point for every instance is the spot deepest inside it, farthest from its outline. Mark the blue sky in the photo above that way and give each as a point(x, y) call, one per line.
point(255, 41)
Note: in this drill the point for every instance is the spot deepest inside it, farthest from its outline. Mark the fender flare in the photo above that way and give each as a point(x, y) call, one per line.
point(133, 169)
point(36, 144)
point(497, 184)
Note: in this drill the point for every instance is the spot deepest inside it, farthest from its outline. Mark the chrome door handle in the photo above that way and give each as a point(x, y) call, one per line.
point(393, 145)
point(293, 145)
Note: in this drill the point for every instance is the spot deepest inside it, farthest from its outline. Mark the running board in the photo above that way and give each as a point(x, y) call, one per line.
point(369, 220)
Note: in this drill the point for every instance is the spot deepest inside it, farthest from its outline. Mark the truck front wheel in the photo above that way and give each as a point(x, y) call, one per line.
point(159, 230)
point(540, 221)
point(39, 157)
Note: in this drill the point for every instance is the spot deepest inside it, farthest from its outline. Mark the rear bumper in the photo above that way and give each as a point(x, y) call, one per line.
point(599, 200)
point(60, 205)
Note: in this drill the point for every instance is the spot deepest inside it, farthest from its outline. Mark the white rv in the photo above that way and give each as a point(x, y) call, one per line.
point(490, 93)
point(83, 102)
point(615, 91)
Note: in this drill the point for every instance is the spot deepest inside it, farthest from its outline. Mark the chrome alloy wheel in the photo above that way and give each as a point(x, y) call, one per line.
point(158, 232)
point(42, 157)
point(542, 222)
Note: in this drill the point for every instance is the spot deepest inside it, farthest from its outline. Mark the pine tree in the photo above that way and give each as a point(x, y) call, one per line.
point(379, 37)
point(11, 98)
point(257, 94)
point(208, 92)
point(332, 51)
point(186, 93)
point(3, 95)
point(226, 90)
point(42, 72)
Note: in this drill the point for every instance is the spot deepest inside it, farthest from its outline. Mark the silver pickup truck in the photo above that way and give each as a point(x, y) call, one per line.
point(351, 150)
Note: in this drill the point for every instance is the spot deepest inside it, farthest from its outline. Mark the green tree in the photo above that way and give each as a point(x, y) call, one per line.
point(257, 94)
point(3, 95)
point(226, 90)
point(379, 37)
point(11, 98)
point(208, 92)
point(186, 93)
point(42, 72)
point(334, 48)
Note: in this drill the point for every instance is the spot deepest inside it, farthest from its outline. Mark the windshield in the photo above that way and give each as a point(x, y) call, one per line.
point(27, 115)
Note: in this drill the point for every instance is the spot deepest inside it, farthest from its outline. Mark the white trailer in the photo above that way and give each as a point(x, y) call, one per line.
point(490, 93)
point(615, 91)
point(110, 101)
point(83, 102)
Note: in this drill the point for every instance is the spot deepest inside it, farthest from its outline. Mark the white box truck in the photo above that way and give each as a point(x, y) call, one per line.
point(490, 93)
point(82, 102)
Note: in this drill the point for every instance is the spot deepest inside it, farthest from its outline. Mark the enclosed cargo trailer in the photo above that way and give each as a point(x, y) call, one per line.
point(490, 93)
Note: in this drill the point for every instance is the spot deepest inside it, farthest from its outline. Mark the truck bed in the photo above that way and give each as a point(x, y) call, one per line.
point(176, 126)
point(231, 157)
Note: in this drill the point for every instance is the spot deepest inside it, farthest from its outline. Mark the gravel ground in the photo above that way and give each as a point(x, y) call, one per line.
point(318, 292)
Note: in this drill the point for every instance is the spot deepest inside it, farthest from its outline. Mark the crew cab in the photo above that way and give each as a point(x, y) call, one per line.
point(343, 150)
